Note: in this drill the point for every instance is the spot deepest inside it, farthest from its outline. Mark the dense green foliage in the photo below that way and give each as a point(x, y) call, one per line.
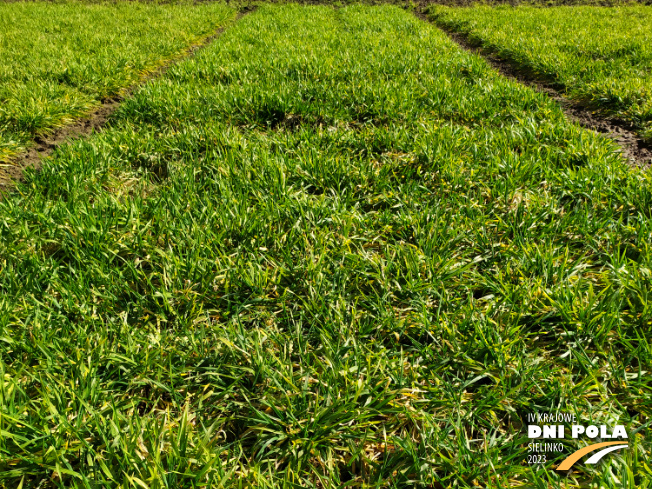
point(332, 247)
point(59, 59)
point(601, 56)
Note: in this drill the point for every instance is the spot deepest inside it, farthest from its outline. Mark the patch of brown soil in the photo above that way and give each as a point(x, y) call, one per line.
point(535, 3)
point(44, 146)
point(636, 151)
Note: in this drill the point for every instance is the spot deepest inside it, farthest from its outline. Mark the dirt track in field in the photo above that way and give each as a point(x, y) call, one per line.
point(44, 146)
point(635, 150)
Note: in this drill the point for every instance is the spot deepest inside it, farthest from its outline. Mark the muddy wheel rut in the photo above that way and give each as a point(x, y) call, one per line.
point(44, 146)
point(634, 149)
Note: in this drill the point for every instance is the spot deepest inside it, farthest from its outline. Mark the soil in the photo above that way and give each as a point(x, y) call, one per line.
point(635, 150)
point(44, 146)
point(538, 3)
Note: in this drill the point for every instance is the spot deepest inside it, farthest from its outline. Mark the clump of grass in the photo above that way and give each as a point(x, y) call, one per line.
point(566, 46)
point(332, 249)
point(60, 59)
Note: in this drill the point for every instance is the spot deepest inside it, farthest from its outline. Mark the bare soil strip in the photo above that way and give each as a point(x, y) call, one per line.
point(45, 145)
point(634, 149)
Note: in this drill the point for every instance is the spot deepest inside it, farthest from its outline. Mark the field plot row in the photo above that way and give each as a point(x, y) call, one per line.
point(60, 59)
point(601, 56)
point(331, 248)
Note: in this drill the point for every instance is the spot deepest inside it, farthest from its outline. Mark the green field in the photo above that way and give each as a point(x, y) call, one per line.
point(58, 60)
point(602, 57)
point(331, 250)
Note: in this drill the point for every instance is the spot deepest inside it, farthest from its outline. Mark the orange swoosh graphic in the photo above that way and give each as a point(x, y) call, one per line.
point(569, 461)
